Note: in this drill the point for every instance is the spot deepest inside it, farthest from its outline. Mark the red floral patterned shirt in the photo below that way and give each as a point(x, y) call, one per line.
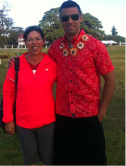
point(79, 70)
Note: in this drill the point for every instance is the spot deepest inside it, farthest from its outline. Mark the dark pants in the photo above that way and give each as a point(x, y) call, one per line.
point(79, 141)
point(37, 144)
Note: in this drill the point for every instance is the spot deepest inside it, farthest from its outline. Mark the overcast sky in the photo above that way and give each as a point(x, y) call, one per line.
point(109, 12)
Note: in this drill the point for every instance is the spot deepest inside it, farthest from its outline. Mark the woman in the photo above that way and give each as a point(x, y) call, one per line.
point(35, 104)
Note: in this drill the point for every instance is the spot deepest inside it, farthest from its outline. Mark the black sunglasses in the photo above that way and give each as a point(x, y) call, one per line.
point(74, 17)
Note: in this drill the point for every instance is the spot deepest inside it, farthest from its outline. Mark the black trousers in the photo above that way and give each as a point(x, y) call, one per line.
point(79, 141)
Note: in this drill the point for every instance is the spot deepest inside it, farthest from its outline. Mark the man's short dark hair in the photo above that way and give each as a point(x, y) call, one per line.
point(68, 4)
point(33, 28)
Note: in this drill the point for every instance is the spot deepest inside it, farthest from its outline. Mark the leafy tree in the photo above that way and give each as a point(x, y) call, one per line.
point(14, 34)
point(3, 41)
point(8, 33)
point(92, 25)
point(5, 21)
point(51, 26)
point(12, 37)
point(53, 30)
point(114, 32)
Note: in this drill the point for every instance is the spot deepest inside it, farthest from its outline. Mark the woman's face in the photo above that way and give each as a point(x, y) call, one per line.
point(34, 43)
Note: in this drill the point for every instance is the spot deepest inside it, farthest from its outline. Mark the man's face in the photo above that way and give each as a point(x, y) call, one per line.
point(71, 27)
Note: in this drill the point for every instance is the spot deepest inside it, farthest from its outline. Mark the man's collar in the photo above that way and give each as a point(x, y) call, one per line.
point(76, 38)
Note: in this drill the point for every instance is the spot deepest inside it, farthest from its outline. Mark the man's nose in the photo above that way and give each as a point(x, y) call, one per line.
point(70, 20)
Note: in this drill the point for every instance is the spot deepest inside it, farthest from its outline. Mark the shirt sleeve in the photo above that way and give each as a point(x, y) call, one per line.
point(51, 52)
point(9, 95)
point(102, 59)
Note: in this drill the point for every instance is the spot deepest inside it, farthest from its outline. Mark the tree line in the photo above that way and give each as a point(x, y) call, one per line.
point(52, 28)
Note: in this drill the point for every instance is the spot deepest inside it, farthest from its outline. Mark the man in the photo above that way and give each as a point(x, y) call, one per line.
point(81, 59)
point(79, 137)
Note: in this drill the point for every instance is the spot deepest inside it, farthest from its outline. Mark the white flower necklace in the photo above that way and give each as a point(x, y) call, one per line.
point(74, 51)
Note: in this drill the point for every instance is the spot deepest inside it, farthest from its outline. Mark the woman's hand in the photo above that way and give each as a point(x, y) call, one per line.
point(10, 128)
point(11, 60)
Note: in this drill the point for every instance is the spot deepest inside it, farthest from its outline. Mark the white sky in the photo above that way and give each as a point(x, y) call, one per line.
point(109, 12)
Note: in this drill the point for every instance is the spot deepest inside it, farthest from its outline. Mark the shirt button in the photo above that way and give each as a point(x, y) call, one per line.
point(70, 92)
point(71, 102)
point(70, 69)
point(70, 80)
point(70, 58)
point(73, 115)
point(34, 77)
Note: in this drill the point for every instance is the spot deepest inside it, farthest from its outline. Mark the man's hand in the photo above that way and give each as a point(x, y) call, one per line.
point(10, 128)
point(108, 90)
point(101, 115)
point(11, 60)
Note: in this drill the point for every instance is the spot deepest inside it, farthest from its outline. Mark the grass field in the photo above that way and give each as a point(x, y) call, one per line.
point(114, 121)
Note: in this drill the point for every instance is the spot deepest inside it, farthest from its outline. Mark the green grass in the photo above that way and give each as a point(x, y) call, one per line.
point(15, 52)
point(114, 121)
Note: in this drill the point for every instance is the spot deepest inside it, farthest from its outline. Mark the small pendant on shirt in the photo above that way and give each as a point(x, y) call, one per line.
point(70, 46)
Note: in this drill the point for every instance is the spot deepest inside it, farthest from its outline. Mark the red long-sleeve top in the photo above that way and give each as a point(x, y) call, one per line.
point(35, 103)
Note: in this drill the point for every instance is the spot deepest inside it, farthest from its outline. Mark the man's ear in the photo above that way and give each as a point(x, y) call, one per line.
point(81, 18)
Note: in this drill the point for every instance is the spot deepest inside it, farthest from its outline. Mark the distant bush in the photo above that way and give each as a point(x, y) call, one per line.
point(3, 56)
